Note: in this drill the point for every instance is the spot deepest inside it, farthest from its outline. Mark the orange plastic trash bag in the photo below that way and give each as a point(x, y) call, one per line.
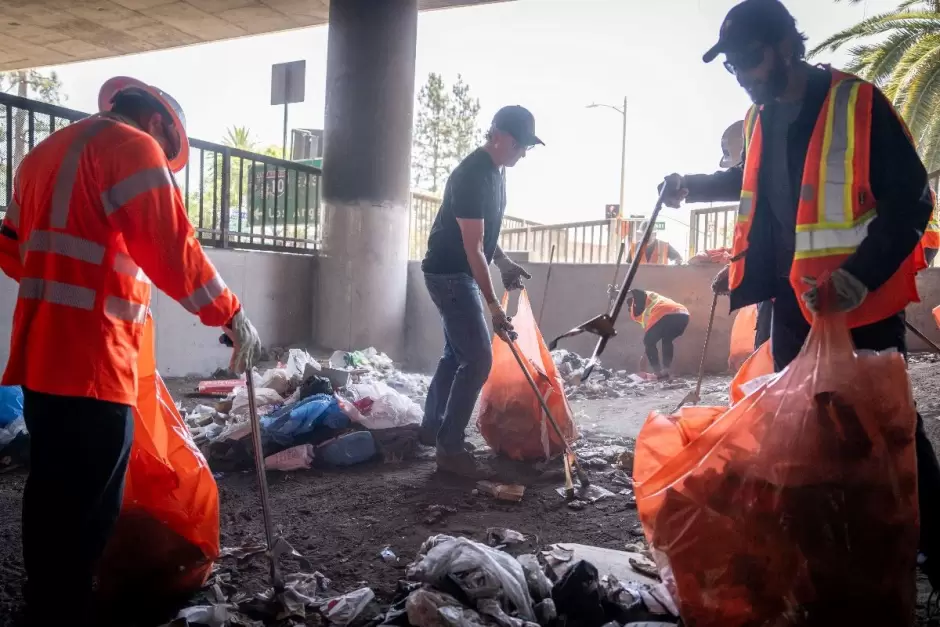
point(797, 506)
point(936, 315)
point(167, 535)
point(743, 331)
point(759, 364)
point(511, 419)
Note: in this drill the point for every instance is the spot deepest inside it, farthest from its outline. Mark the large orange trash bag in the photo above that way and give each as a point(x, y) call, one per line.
point(743, 331)
point(511, 419)
point(168, 533)
point(759, 364)
point(936, 315)
point(797, 506)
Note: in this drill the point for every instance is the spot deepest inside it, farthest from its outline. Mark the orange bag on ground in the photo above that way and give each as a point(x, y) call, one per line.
point(798, 506)
point(759, 364)
point(936, 314)
point(168, 533)
point(743, 331)
point(511, 419)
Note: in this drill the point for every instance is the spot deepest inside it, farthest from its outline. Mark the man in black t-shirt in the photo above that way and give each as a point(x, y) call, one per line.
point(463, 242)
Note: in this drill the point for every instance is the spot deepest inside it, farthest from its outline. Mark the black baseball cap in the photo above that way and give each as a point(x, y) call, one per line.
point(761, 21)
point(518, 122)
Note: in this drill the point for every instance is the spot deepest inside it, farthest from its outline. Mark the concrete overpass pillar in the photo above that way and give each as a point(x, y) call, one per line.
point(370, 77)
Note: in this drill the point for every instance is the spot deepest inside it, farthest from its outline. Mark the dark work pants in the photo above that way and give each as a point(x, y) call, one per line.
point(666, 330)
point(762, 328)
point(789, 331)
point(930, 254)
point(79, 449)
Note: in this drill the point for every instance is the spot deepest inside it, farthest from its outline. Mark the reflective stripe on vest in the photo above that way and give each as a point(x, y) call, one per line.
point(65, 245)
point(134, 185)
point(125, 309)
point(126, 266)
point(837, 166)
point(652, 300)
point(839, 241)
point(57, 293)
point(68, 171)
point(205, 295)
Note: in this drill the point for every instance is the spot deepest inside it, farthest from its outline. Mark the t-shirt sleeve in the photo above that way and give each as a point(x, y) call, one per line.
point(470, 197)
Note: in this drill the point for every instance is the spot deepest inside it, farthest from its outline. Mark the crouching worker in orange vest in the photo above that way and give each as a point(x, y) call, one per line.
point(663, 320)
point(95, 217)
point(831, 185)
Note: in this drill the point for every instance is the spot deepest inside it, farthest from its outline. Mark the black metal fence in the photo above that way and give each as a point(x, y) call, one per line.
point(234, 198)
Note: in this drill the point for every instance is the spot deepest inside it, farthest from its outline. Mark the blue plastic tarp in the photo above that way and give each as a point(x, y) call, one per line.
point(11, 404)
point(289, 423)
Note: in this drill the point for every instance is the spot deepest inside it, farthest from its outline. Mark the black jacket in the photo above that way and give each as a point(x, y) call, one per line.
point(899, 184)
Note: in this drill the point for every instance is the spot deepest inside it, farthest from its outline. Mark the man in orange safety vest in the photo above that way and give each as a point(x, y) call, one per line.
point(831, 185)
point(95, 218)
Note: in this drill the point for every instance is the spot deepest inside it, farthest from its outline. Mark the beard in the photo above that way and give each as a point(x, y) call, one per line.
point(767, 90)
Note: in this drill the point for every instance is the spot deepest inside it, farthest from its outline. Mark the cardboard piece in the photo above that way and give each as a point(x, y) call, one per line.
point(501, 491)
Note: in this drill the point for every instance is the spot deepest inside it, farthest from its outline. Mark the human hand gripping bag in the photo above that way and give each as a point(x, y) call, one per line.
point(798, 505)
point(167, 536)
point(511, 419)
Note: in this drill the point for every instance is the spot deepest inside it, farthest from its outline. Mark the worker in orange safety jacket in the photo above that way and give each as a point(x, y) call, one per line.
point(656, 251)
point(95, 218)
point(931, 239)
point(663, 320)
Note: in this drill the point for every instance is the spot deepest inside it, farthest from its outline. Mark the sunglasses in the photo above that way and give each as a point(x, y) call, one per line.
point(744, 61)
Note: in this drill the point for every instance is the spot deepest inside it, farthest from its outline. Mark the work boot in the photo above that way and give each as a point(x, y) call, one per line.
point(663, 375)
point(461, 464)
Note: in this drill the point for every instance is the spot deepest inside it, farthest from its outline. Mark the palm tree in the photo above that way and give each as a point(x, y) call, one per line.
point(900, 52)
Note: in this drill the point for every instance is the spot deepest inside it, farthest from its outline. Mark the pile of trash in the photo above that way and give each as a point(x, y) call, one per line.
point(603, 382)
point(457, 582)
point(349, 410)
point(14, 439)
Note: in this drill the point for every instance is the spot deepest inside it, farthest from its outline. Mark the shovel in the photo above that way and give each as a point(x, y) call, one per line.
point(694, 397)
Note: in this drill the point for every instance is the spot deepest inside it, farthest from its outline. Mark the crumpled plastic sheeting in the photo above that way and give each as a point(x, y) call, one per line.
point(389, 408)
point(343, 610)
point(480, 571)
point(9, 432)
point(431, 608)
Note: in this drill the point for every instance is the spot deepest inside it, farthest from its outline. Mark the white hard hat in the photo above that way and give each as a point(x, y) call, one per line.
point(118, 84)
point(732, 145)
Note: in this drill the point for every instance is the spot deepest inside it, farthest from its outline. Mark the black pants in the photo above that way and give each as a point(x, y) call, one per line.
point(762, 329)
point(79, 449)
point(666, 330)
point(789, 331)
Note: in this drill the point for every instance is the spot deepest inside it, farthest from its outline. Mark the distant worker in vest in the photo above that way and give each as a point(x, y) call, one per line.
point(656, 251)
point(464, 240)
point(95, 217)
point(663, 321)
point(931, 240)
point(794, 226)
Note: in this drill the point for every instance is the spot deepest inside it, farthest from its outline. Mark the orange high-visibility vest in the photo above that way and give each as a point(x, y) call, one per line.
point(931, 237)
point(95, 217)
point(657, 306)
point(836, 202)
point(660, 254)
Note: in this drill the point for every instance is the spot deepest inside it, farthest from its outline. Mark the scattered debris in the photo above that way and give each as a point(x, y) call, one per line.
point(575, 505)
point(217, 387)
point(437, 512)
point(502, 492)
point(295, 458)
point(591, 493)
point(387, 555)
point(500, 536)
point(343, 610)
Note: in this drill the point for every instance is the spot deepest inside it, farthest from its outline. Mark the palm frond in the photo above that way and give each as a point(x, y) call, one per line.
point(921, 83)
point(912, 21)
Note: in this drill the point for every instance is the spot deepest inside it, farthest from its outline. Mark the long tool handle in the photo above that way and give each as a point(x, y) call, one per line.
point(926, 340)
point(708, 335)
point(535, 388)
point(548, 279)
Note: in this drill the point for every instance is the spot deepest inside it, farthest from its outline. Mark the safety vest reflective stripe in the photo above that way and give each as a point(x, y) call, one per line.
point(204, 296)
point(125, 309)
point(819, 242)
point(125, 265)
point(134, 185)
point(13, 213)
point(746, 205)
point(836, 168)
point(68, 171)
point(750, 122)
point(651, 301)
point(57, 293)
point(66, 245)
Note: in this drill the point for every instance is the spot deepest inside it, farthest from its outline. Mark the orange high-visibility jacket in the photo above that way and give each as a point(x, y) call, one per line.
point(931, 237)
point(836, 202)
point(660, 254)
point(657, 306)
point(95, 217)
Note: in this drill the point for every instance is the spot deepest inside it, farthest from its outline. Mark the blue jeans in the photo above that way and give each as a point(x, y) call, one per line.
point(466, 362)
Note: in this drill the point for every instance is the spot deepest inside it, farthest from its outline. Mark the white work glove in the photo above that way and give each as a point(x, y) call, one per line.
point(247, 345)
point(502, 324)
point(512, 273)
point(675, 191)
point(720, 282)
point(847, 292)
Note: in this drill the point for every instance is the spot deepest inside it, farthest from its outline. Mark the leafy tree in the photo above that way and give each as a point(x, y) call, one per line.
point(446, 130)
point(900, 52)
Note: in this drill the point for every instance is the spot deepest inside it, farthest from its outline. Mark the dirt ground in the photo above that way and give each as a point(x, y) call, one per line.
point(341, 520)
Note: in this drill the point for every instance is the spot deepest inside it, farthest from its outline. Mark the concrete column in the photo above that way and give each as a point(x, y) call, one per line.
point(362, 274)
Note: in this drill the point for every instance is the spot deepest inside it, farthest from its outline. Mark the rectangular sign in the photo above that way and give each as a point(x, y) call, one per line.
point(288, 82)
point(275, 196)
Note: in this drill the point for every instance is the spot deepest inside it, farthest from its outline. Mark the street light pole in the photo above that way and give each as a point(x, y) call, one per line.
point(623, 150)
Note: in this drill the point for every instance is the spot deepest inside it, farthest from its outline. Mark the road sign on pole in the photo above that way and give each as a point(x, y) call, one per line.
point(288, 83)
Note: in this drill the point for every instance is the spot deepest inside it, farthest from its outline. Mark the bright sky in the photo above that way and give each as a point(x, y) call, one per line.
point(553, 56)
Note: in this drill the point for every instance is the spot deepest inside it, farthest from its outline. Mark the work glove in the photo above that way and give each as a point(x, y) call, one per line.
point(720, 282)
point(846, 291)
point(675, 190)
point(512, 273)
point(246, 350)
point(502, 324)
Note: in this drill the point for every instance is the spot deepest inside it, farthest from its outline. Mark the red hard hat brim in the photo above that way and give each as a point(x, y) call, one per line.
point(119, 83)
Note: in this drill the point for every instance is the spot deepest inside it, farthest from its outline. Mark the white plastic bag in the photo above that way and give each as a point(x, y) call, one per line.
point(463, 560)
point(277, 379)
point(297, 362)
point(265, 400)
point(389, 408)
point(9, 432)
point(344, 609)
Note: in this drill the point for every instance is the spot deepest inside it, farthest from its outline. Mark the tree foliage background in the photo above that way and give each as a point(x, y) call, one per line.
point(446, 130)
